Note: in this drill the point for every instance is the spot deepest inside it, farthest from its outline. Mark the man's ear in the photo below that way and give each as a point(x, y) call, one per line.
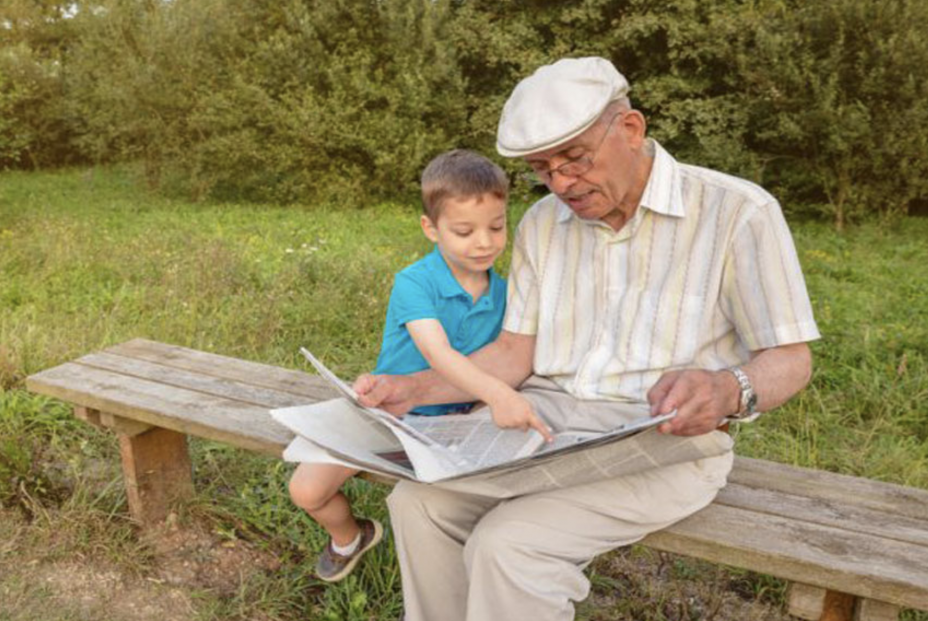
point(428, 227)
point(636, 127)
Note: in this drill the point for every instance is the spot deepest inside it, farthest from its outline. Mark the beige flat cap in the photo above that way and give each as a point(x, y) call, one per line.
point(556, 103)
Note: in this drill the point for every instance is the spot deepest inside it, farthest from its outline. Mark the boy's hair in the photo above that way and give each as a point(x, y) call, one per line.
point(460, 174)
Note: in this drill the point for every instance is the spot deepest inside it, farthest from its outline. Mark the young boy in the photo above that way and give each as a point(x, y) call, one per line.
point(441, 309)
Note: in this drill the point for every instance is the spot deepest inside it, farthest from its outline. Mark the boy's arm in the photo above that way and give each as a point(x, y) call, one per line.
point(510, 358)
point(508, 407)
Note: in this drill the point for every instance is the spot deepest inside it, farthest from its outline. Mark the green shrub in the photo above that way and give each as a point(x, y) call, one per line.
point(344, 102)
point(35, 131)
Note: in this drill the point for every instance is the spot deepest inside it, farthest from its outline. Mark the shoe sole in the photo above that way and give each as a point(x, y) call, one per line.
point(378, 535)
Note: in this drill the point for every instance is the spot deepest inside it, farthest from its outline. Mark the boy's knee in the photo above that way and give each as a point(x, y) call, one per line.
point(305, 493)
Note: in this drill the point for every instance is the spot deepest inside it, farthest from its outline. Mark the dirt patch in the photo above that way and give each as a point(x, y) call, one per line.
point(194, 556)
point(644, 585)
point(184, 563)
point(181, 572)
point(93, 590)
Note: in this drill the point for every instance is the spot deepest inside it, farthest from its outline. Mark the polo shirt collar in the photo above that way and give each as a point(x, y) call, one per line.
point(448, 285)
point(663, 193)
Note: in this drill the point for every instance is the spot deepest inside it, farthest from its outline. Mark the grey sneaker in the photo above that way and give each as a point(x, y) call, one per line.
point(332, 567)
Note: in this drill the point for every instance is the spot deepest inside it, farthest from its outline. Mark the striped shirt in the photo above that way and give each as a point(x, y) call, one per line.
point(703, 273)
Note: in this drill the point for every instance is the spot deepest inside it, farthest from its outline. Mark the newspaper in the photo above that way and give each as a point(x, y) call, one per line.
point(468, 452)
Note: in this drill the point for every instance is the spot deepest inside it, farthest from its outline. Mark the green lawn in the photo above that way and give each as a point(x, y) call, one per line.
point(89, 259)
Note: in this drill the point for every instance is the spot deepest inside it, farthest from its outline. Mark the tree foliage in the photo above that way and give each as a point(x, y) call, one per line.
point(344, 101)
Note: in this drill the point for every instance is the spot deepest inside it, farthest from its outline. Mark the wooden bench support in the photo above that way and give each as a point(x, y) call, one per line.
point(806, 601)
point(838, 607)
point(88, 415)
point(157, 472)
point(873, 610)
point(818, 604)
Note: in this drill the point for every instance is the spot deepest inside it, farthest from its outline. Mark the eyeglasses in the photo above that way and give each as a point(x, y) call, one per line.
point(576, 166)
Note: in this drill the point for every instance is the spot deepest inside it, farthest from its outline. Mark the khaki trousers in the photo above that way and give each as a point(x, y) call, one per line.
point(472, 558)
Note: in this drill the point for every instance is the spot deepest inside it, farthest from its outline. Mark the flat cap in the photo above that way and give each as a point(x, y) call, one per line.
point(556, 103)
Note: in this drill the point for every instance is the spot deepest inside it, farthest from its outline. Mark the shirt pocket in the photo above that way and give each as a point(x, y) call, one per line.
point(665, 332)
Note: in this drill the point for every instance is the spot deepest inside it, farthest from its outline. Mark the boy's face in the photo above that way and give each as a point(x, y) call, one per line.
point(470, 233)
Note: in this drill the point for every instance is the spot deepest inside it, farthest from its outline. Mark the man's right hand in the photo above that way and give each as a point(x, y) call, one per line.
point(392, 393)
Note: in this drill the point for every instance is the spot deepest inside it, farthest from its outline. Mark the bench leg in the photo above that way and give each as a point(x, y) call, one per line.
point(838, 607)
point(873, 610)
point(818, 604)
point(157, 471)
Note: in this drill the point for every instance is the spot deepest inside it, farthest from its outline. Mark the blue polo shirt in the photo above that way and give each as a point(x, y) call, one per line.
point(427, 289)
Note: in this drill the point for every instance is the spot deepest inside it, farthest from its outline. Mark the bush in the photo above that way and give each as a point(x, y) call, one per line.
point(838, 100)
point(344, 102)
point(337, 101)
point(35, 131)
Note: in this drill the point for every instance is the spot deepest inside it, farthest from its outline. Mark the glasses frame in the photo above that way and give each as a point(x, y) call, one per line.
point(579, 165)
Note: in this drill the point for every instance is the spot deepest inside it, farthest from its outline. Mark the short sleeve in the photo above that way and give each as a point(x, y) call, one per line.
point(763, 290)
point(522, 294)
point(411, 299)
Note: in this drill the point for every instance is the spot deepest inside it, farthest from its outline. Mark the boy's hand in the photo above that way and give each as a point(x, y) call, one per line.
point(513, 411)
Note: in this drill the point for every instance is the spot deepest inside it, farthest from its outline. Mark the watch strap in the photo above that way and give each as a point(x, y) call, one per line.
point(747, 410)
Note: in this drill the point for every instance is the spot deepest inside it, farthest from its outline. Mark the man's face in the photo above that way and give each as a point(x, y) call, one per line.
point(470, 233)
point(610, 188)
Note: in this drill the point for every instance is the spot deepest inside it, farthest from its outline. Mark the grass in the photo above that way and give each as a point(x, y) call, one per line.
point(87, 259)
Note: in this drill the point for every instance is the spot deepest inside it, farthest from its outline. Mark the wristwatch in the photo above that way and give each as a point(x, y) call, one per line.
point(748, 410)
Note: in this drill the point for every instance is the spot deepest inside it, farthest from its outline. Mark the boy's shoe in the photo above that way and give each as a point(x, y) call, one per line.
point(332, 566)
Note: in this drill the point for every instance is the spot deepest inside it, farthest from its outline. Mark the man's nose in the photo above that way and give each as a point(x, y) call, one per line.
point(559, 183)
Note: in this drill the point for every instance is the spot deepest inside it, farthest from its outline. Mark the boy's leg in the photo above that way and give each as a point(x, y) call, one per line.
point(315, 489)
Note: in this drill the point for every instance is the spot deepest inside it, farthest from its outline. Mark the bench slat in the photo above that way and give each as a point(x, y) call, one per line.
point(208, 384)
point(285, 380)
point(847, 515)
point(828, 486)
point(188, 411)
point(823, 556)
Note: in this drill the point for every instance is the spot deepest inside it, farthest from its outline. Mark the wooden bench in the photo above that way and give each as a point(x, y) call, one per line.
point(853, 548)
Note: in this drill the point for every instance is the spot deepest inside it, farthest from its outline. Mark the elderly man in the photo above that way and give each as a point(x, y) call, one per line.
point(637, 278)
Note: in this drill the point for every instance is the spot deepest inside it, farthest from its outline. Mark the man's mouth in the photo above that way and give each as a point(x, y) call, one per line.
point(577, 200)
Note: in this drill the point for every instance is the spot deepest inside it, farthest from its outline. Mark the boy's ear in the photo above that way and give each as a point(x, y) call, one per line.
point(428, 228)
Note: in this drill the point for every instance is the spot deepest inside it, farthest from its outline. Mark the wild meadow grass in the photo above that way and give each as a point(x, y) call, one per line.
point(88, 259)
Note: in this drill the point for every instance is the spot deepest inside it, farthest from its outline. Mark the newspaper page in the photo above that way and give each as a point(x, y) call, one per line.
point(468, 452)
point(473, 441)
point(367, 441)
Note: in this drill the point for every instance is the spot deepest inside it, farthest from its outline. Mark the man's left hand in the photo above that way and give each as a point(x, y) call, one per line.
point(701, 398)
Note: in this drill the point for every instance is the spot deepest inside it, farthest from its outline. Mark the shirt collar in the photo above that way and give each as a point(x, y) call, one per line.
point(662, 194)
point(448, 285)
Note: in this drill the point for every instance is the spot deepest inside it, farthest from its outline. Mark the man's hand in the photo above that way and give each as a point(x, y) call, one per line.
point(393, 393)
point(513, 411)
point(701, 398)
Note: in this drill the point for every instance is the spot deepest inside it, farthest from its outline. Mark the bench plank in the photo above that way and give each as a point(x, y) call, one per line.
point(848, 515)
point(236, 422)
point(313, 387)
point(829, 486)
point(824, 556)
point(207, 384)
